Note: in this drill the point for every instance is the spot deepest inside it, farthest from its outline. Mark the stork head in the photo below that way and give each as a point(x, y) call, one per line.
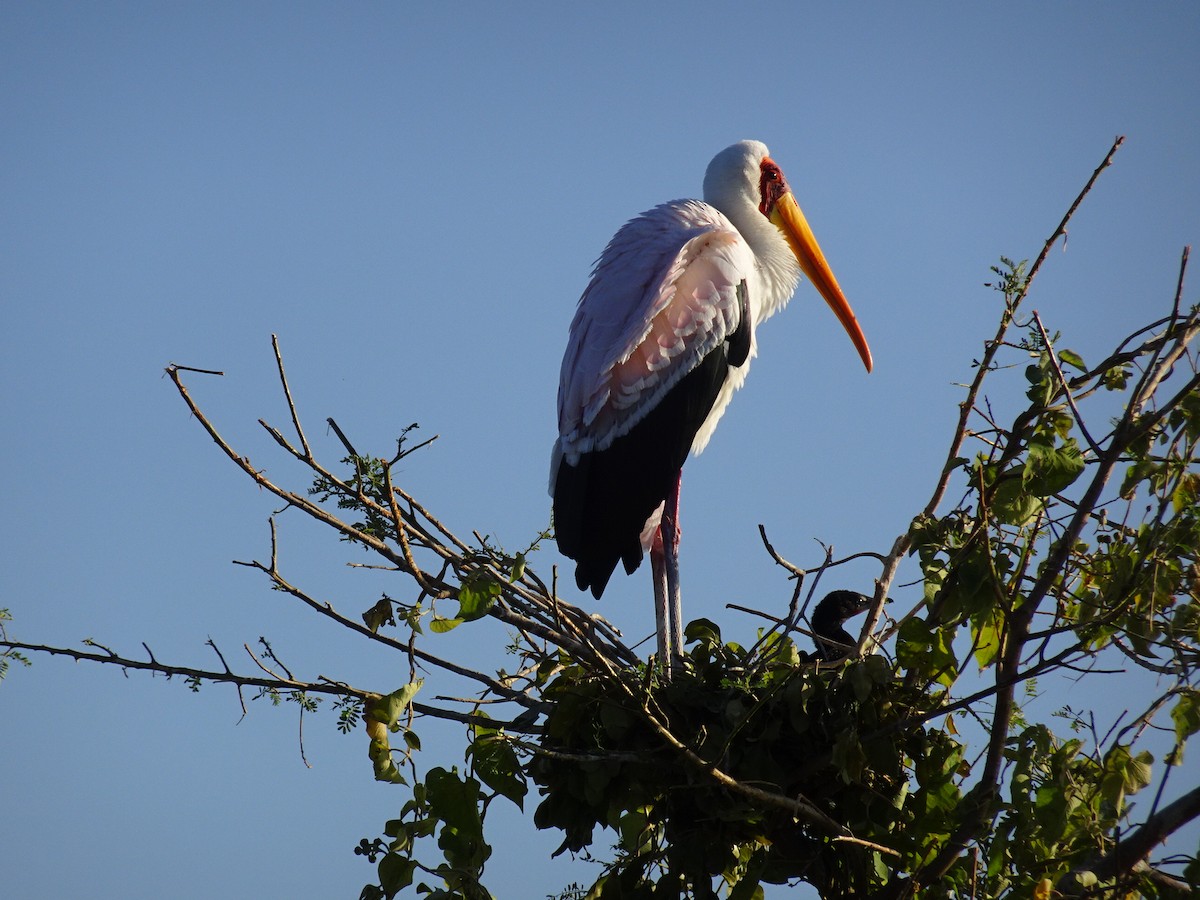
point(743, 178)
point(731, 179)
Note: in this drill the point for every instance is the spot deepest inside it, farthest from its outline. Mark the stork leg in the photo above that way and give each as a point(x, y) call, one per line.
point(670, 531)
point(662, 608)
point(664, 564)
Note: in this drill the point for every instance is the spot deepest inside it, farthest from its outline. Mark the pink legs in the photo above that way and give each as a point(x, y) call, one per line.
point(664, 564)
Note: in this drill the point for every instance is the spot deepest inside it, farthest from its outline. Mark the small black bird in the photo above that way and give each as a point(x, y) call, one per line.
point(832, 640)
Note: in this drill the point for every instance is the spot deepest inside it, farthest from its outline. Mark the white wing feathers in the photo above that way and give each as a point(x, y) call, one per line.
point(662, 296)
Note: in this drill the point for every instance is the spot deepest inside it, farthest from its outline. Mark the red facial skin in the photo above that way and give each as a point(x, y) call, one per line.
point(771, 185)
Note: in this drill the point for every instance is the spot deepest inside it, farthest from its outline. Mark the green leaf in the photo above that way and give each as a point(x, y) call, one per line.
point(1186, 715)
point(706, 631)
point(1116, 378)
point(1191, 872)
point(616, 720)
point(1042, 383)
point(749, 887)
point(848, 756)
point(985, 633)
point(861, 681)
point(1185, 492)
point(1135, 475)
point(379, 615)
point(440, 625)
point(395, 873)
point(1050, 469)
point(925, 650)
point(1012, 503)
point(457, 803)
point(1124, 773)
point(385, 767)
point(476, 595)
point(518, 568)
point(781, 651)
point(1071, 358)
point(390, 708)
point(1056, 422)
point(973, 588)
point(1086, 879)
point(453, 799)
point(496, 764)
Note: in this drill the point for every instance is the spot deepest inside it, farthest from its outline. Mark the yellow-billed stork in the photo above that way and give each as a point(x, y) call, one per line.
point(663, 336)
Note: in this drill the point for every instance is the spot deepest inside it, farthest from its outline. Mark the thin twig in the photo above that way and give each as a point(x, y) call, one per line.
point(342, 437)
point(220, 656)
point(779, 560)
point(1066, 388)
point(287, 392)
point(180, 368)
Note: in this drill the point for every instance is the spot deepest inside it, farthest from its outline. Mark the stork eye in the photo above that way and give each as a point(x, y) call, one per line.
point(771, 185)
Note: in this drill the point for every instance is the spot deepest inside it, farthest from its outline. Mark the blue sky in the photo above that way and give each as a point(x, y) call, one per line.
point(411, 199)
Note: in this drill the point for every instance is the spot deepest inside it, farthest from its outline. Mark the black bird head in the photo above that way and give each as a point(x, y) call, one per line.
point(833, 641)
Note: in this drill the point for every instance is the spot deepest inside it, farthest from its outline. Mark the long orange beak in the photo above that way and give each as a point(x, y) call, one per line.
point(787, 217)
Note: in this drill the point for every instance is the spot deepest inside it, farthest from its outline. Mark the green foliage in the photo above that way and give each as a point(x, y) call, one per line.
point(573, 891)
point(1063, 802)
point(445, 806)
point(1186, 715)
point(7, 654)
point(1012, 278)
point(476, 594)
point(367, 481)
point(349, 710)
point(496, 763)
point(837, 738)
point(383, 715)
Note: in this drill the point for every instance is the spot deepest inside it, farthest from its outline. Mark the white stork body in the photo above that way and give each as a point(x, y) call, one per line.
point(662, 338)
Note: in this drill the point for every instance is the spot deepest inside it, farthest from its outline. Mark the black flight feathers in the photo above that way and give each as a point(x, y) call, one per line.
point(602, 504)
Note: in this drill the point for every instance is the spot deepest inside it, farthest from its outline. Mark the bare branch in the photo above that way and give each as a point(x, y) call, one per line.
point(779, 560)
point(287, 392)
point(180, 368)
point(322, 686)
